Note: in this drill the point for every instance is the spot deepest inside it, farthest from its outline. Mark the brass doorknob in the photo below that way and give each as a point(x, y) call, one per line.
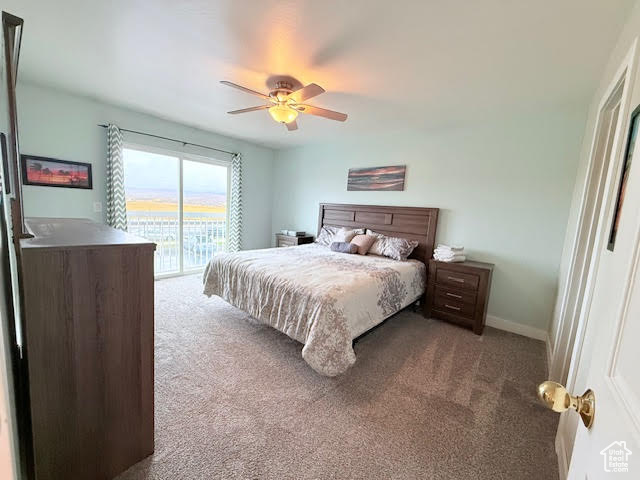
point(556, 397)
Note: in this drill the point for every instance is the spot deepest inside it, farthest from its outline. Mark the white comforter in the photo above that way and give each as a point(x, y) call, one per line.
point(318, 297)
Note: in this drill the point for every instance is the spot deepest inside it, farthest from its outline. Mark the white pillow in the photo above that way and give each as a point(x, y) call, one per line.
point(346, 234)
point(326, 235)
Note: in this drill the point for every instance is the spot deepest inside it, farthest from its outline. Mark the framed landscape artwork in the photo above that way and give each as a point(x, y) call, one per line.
point(51, 172)
point(626, 166)
point(387, 178)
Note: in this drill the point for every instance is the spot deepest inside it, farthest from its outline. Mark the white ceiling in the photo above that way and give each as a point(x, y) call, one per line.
point(389, 65)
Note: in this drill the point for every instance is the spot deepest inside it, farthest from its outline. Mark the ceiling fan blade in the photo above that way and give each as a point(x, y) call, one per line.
point(292, 126)
point(307, 92)
point(246, 90)
point(250, 109)
point(322, 112)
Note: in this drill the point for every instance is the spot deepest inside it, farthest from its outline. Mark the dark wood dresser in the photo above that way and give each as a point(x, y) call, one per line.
point(459, 293)
point(88, 328)
point(290, 241)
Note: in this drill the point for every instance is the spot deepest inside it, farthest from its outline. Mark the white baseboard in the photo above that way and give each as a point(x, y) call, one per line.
point(513, 327)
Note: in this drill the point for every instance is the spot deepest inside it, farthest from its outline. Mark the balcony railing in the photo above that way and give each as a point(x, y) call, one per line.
point(203, 237)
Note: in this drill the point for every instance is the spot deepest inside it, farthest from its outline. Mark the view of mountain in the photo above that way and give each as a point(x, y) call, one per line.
point(166, 200)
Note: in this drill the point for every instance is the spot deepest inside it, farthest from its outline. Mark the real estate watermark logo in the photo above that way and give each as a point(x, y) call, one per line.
point(616, 457)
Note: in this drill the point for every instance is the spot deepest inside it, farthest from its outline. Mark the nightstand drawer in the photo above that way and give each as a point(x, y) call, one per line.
point(454, 294)
point(285, 242)
point(455, 307)
point(457, 279)
point(291, 241)
point(453, 317)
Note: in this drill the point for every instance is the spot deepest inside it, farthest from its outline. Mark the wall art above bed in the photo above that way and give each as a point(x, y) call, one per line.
point(387, 178)
point(51, 172)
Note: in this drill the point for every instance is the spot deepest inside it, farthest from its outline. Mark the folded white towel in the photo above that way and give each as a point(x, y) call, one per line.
point(445, 255)
point(448, 252)
point(450, 259)
point(447, 248)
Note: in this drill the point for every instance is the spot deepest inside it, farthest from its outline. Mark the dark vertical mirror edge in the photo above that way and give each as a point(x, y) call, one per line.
point(11, 38)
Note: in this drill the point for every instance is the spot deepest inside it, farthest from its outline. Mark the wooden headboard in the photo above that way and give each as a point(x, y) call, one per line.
point(412, 223)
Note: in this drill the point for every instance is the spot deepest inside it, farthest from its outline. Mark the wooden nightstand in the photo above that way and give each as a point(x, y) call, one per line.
point(290, 241)
point(459, 293)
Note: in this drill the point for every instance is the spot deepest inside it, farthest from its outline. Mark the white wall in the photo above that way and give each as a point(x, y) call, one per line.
point(504, 190)
point(503, 187)
point(60, 125)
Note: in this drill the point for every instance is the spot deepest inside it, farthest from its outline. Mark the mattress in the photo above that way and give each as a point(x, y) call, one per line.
point(320, 298)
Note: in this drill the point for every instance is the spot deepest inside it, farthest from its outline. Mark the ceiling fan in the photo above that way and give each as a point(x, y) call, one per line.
point(285, 103)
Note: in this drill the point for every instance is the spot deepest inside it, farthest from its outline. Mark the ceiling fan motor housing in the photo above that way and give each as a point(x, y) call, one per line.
point(283, 89)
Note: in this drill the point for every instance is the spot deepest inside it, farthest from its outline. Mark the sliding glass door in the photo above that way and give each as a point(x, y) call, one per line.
point(180, 203)
point(152, 189)
point(204, 212)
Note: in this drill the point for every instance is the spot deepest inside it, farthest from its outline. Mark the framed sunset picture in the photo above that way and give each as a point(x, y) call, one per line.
point(51, 172)
point(387, 178)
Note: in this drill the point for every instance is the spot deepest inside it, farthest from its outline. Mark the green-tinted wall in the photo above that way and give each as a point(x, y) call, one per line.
point(60, 125)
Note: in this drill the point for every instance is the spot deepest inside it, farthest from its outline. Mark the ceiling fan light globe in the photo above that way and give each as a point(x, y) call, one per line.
point(283, 113)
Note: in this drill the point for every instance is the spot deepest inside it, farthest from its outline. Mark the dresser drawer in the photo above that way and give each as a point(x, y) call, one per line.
point(455, 294)
point(453, 306)
point(456, 279)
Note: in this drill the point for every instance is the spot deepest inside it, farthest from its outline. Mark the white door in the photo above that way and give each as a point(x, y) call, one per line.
point(610, 365)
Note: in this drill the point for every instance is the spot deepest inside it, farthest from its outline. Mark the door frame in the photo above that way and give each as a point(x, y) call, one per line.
point(571, 354)
point(628, 70)
point(194, 158)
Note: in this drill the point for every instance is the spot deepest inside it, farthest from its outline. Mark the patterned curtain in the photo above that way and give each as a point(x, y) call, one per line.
point(116, 204)
point(235, 217)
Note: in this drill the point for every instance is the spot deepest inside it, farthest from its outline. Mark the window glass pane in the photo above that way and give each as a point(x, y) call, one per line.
point(205, 212)
point(152, 192)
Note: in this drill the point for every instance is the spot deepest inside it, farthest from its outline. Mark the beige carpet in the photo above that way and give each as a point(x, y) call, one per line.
point(425, 399)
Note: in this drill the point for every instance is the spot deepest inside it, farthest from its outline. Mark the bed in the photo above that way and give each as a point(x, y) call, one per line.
point(325, 299)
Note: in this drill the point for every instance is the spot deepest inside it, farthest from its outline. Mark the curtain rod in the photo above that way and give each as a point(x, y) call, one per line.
point(171, 139)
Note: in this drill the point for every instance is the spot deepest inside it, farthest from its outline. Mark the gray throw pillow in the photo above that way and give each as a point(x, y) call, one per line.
point(344, 247)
